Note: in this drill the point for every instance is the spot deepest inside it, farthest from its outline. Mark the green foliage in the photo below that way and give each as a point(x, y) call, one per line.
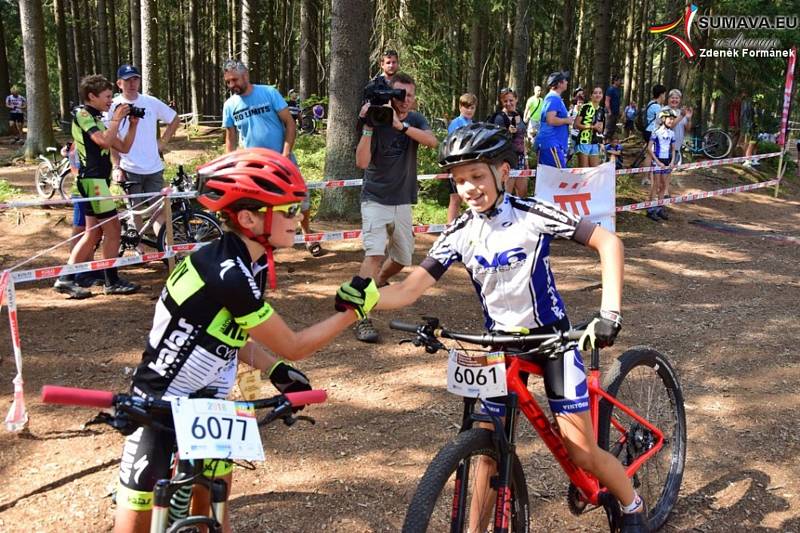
point(7, 191)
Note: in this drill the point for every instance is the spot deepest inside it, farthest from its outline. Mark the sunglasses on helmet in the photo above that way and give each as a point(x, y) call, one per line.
point(288, 210)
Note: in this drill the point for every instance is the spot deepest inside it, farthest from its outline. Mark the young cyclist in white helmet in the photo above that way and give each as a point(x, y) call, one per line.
point(503, 241)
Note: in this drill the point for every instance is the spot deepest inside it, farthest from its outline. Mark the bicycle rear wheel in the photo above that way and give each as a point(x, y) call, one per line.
point(716, 144)
point(442, 501)
point(65, 184)
point(642, 379)
point(45, 181)
point(307, 124)
point(190, 227)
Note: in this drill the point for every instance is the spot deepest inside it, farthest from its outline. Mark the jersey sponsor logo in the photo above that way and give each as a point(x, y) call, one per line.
point(172, 345)
point(225, 266)
point(225, 352)
point(507, 259)
point(250, 280)
point(260, 110)
point(129, 466)
point(553, 214)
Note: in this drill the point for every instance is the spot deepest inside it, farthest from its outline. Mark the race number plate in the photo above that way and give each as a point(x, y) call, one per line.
point(476, 376)
point(216, 429)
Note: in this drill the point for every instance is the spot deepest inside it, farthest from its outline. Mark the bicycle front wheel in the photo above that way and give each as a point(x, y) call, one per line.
point(451, 493)
point(643, 380)
point(45, 181)
point(716, 144)
point(65, 184)
point(190, 227)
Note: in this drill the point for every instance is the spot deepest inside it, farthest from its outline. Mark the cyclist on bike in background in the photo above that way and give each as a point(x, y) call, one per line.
point(211, 306)
point(503, 241)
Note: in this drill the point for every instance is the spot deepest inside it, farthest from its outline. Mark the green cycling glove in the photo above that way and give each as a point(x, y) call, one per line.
point(359, 294)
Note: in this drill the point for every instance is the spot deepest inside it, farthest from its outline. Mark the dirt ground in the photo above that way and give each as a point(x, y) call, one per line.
point(722, 305)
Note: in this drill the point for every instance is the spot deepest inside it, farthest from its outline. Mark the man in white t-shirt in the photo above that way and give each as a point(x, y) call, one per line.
point(141, 169)
point(16, 104)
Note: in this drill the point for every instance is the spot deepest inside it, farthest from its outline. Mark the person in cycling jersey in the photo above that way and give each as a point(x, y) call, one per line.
point(503, 241)
point(211, 314)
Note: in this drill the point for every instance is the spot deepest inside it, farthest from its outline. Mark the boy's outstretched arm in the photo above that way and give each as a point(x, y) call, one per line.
point(407, 292)
point(612, 265)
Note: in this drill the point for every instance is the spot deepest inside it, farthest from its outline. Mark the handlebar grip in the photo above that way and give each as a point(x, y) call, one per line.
point(298, 399)
point(403, 326)
point(74, 396)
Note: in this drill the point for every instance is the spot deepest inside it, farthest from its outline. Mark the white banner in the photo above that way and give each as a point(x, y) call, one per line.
point(590, 193)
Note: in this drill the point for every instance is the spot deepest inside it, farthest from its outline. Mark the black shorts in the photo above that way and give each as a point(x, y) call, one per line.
point(16, 117)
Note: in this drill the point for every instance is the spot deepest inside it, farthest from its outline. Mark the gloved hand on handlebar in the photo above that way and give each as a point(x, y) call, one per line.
point(359, 294)
point(287, 378)
point(601, 331)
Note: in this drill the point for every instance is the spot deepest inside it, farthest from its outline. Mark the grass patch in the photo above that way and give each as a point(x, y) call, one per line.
point(7, 191)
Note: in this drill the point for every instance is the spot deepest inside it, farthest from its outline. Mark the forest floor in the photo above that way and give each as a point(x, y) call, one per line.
point(723, 306)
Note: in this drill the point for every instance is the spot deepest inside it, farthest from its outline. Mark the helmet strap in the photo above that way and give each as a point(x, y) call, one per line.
point(262, 239)
point(499, 184)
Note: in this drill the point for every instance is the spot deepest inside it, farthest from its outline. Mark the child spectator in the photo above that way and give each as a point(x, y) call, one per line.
point(662, 151)
point(466, 105)
point(630, 114)
point(614, 151)
point(590, 123)
point(509, 119)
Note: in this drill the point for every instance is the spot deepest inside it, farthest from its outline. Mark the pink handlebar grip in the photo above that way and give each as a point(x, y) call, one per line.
point(306, 397)
point(73, 396)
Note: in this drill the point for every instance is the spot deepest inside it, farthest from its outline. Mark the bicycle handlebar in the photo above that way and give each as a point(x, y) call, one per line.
point(104, 399)
point(483, 339)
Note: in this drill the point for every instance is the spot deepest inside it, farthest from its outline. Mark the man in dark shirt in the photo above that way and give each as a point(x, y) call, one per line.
point(613, 96)
point(389, 156)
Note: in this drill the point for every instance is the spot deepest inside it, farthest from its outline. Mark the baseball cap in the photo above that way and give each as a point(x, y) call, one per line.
point(127, 71)
point(556, 77)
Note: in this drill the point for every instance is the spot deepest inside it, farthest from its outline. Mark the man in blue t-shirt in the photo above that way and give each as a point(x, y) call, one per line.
point(257, 116)
point(553, 133)
point(613, 97)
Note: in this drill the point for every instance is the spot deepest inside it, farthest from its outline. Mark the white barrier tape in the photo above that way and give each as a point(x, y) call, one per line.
point(17, 415)
point(55, 271)
point(77, 200)
point(356, 233)
point(699, 164)
point(695, 196)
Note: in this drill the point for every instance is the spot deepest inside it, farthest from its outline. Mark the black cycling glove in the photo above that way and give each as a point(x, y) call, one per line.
point(602, 330)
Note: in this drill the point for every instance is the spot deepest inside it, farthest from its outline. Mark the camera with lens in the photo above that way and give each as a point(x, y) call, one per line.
point(379, 93)
point(137, 112)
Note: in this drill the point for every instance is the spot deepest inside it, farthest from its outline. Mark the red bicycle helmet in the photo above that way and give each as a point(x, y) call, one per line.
point(250, 178)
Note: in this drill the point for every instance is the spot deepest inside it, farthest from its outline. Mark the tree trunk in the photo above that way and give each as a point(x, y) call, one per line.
point(194, 59)
point(349, 72)
point(568, 34)
point(80, 46)
point(602, 44)
point(113, 50)
point(40, 125)
point(628, 68)
point(102, 39)
point(136, 33)
point(63, 61)
point(644, 85)
point(169, 24)
point(245, 39)
point(149, 50)
point(576, 66)
point(5, 81)
point(477, 60)
point(309, 10)
point(519, 54)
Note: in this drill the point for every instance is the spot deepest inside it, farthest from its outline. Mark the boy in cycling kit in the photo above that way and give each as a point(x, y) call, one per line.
point(503, 242)
point(212, 304)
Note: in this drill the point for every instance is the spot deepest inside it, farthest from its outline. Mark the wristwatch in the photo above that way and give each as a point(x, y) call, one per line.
point(405, 127)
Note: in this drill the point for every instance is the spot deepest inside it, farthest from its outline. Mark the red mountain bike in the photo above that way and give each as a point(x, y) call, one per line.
point(638, 416)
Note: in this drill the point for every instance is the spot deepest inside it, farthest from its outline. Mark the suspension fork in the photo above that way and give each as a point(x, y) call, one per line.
point(504, 441)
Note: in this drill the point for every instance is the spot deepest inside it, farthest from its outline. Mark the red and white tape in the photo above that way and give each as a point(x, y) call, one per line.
point(17, 415)
point(356, 233)
point(78, 200)
point(696, 196)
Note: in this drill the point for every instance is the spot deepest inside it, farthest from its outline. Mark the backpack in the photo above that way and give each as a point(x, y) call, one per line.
point(641, 116)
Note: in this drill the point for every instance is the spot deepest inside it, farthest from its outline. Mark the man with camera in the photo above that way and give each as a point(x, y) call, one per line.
point(141, 170)
point(387, 151)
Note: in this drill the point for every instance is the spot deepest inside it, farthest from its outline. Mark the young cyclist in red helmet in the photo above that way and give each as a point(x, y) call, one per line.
point(517, 293)
point(211, 314)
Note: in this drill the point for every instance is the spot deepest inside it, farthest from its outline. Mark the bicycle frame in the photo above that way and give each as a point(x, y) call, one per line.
point(520, 398)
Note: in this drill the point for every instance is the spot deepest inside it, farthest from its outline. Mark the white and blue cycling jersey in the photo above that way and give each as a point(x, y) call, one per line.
point(507, 258)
